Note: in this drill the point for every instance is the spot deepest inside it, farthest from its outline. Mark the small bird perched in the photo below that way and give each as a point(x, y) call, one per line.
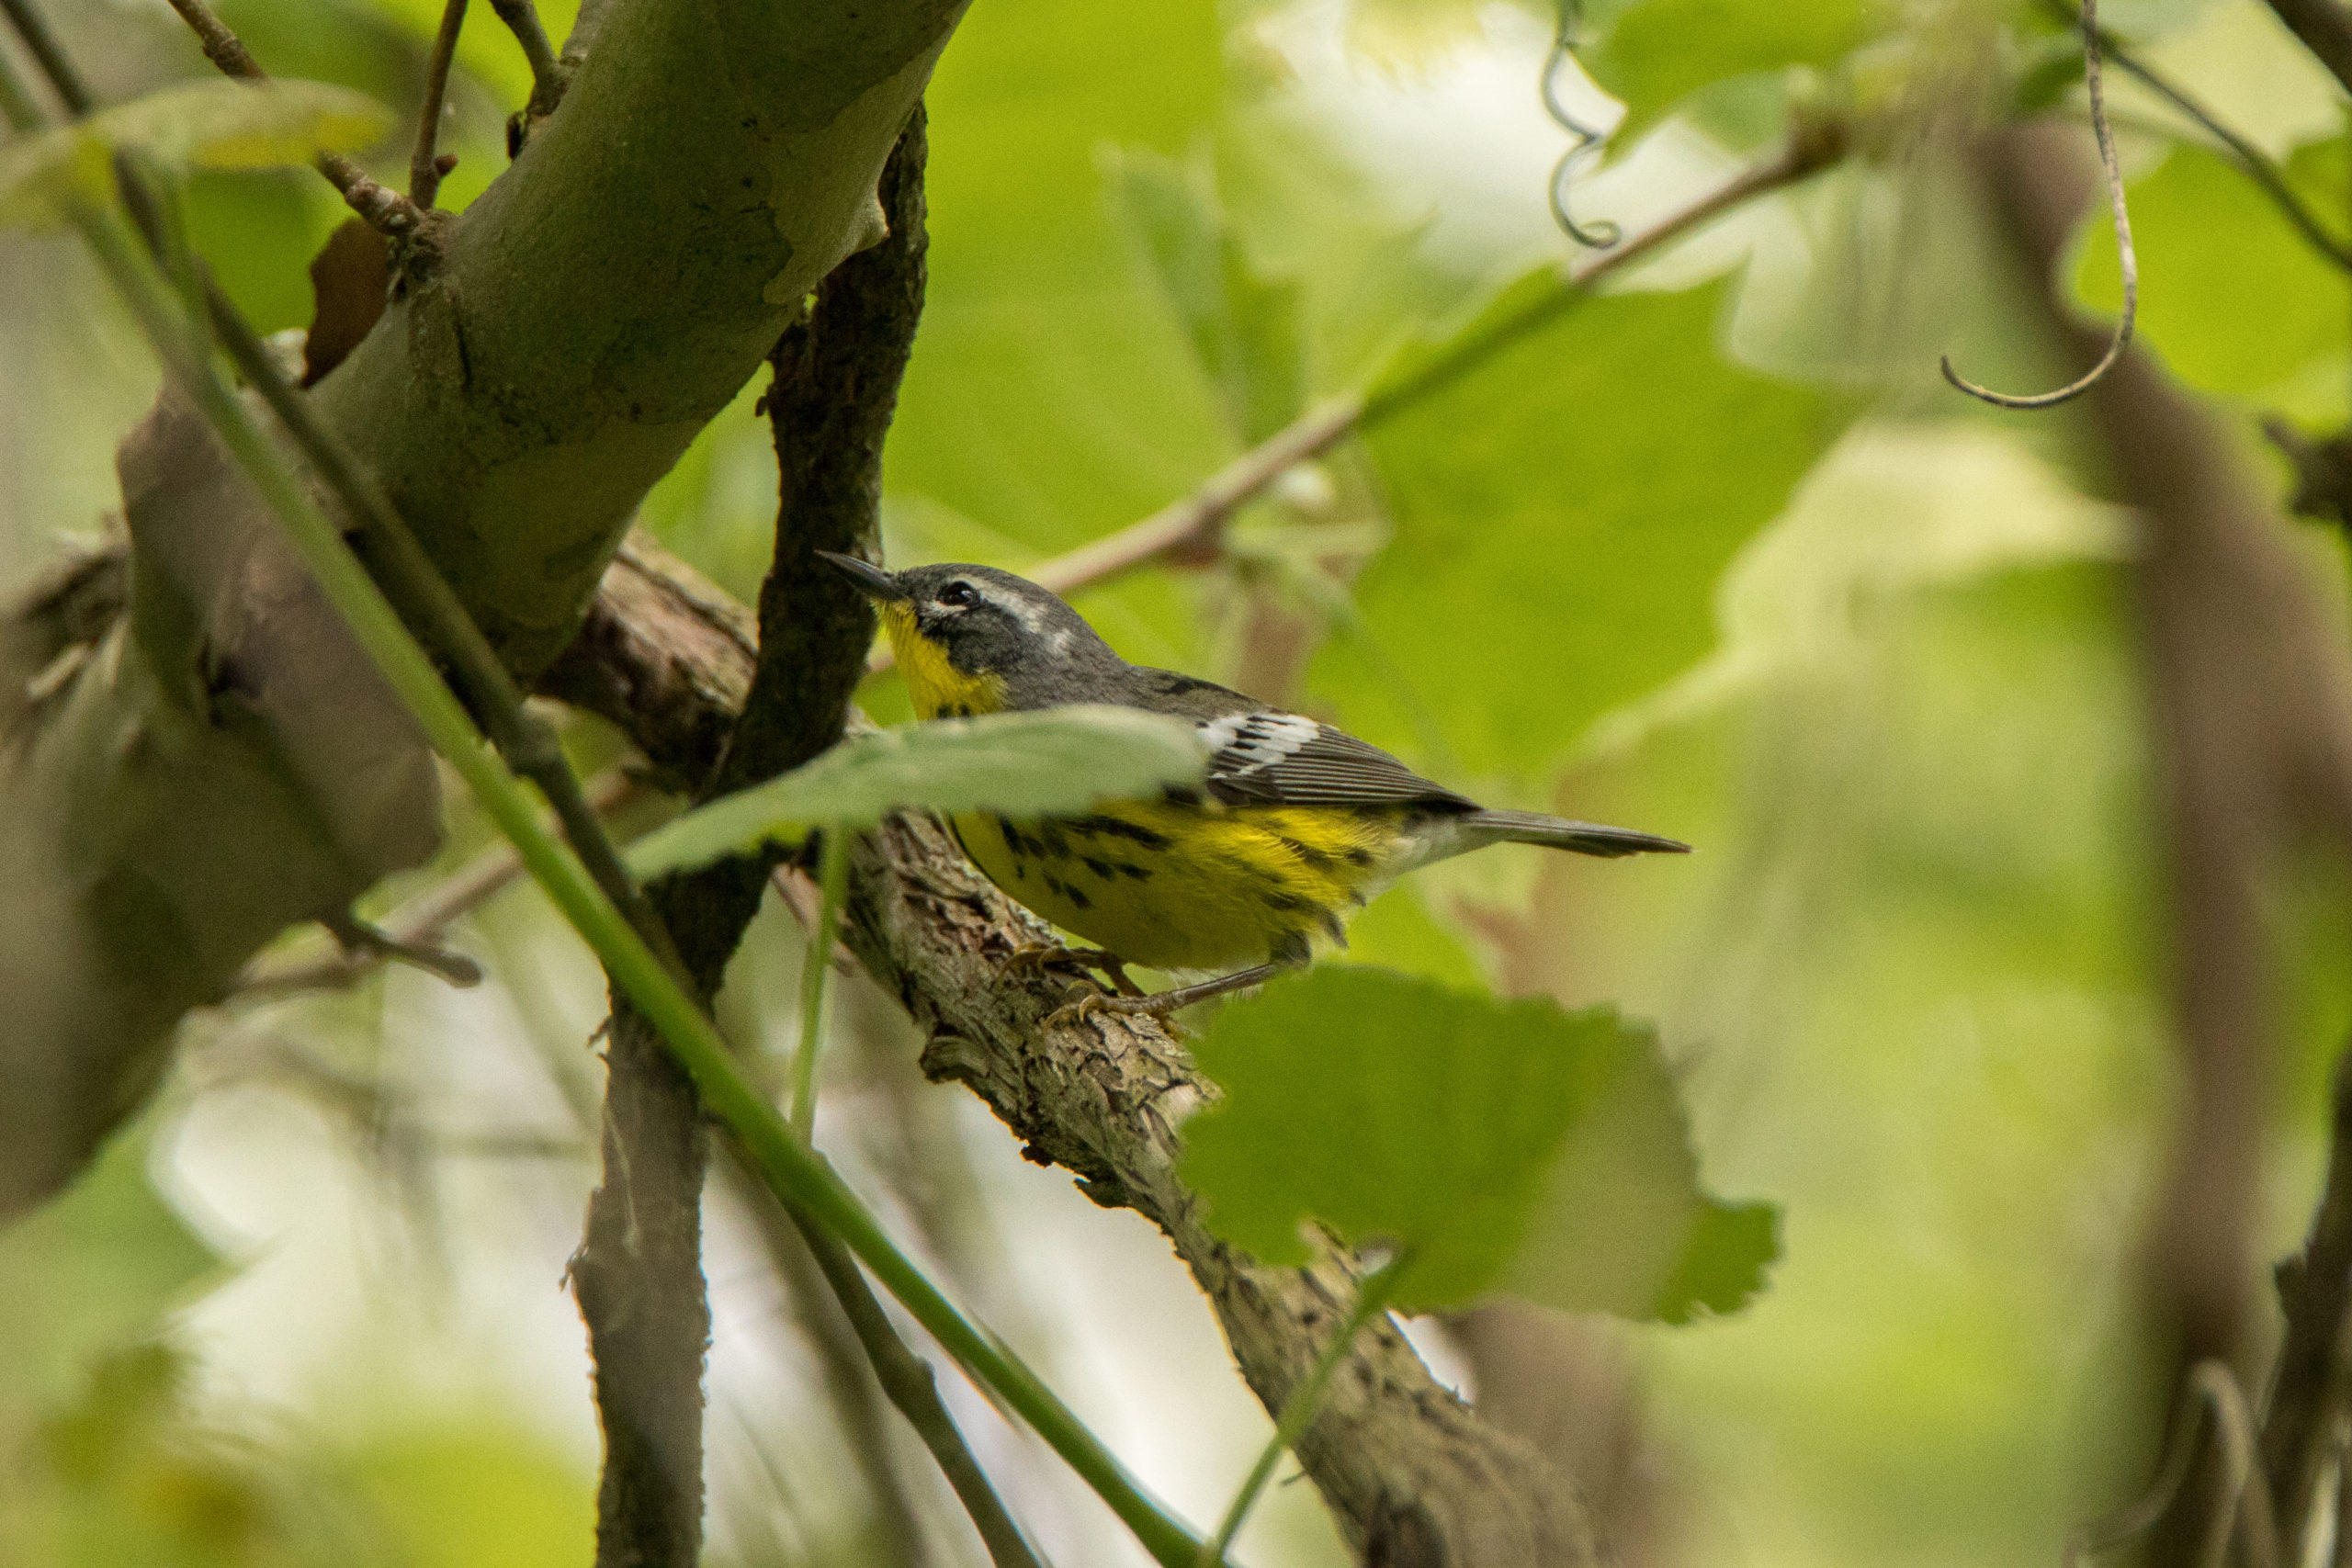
point(1300, 823)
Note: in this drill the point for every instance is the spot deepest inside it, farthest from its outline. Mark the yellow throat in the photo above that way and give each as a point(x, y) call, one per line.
point(936, 685)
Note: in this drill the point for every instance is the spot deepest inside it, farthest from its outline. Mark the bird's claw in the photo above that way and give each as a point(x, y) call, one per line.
point(1031, 962)
point(1082, 1001)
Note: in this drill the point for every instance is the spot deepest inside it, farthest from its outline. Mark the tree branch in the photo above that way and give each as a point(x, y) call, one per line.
point(2312, 1385)
point(591, 311)
point(424, 165)
point(383, 209)
point(1413, 1475)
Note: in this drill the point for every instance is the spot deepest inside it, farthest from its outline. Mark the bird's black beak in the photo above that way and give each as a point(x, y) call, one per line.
point(871, 579)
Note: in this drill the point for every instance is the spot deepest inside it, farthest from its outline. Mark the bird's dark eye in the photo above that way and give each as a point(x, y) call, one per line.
point(959, 595)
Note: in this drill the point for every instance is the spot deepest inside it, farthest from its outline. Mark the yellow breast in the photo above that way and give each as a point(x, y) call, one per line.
point(1174, 886)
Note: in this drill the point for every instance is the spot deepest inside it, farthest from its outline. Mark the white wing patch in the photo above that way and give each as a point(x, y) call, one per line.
point(1247, 742)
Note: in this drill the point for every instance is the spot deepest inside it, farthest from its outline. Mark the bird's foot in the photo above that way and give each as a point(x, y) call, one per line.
point(1088, 1001)
point(1031, 962)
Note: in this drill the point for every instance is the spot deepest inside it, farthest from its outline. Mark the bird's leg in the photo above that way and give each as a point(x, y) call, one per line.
point(1160, 1004)
point(1034, 961)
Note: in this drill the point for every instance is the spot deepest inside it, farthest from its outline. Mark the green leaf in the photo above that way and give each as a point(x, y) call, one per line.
point(1243, 326)
point(1477, 1134)
point(214, 124)
point(1054, 400)
point(1660, 52)
point(92, 1269)
point(1563, 513)
point(2209, 241)
point(1060, 761)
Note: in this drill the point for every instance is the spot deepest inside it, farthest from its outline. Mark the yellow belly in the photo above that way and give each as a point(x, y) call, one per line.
point(1179, 886)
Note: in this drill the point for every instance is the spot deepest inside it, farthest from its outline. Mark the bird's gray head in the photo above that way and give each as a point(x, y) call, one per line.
point(988, 623)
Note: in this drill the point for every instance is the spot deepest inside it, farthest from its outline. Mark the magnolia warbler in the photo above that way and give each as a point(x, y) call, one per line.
point(1299, 824)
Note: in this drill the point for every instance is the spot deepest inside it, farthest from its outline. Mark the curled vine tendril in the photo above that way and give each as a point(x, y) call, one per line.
point(1601, 233)
point(2125, 259)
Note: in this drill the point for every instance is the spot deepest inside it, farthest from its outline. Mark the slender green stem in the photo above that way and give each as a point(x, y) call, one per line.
point(832, 879)
point(783, 1162)
point(1299, 1409)
point(907, 1382)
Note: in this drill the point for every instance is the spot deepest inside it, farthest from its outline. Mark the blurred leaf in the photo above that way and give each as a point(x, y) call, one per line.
point(258, 229)
point(1479, 1135)
point(40, 173)
point(1399, 34)
point(1054, 399)
point(1660, 51)
point(478, 1496)
point(1562, 514)
point(214, 124)
point(2209, 241)
point(96, 1267)
point(1398, 932)
point(1622, 1226)
point(1062, 760)
point(1243, 326)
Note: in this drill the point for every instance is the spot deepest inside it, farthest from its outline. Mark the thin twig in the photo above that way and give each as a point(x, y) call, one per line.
point(801, 896)
point(2256, 164)
point(383, 209)
point(522, 19)
point(425, 919)
point(2125, 259)
point(424, 166)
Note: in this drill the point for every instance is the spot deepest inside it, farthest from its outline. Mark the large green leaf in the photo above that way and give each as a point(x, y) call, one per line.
point(1063, 759)
point(2210, 242)
point(1481, 1136)
point(1243, 326)
point(1662, 51)
point(1562, 513)
point(1053, 397)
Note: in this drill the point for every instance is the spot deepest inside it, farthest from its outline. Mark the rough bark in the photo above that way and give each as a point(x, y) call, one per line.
point(221, 763)
point(1414, 1475)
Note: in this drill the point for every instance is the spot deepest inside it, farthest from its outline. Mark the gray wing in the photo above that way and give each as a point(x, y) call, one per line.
point(1286, 759)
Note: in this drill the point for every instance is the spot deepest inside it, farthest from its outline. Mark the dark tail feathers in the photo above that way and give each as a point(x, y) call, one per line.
point(1559, 833)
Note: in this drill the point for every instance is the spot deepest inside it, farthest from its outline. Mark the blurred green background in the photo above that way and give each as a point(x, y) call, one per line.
point(1716, 555)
